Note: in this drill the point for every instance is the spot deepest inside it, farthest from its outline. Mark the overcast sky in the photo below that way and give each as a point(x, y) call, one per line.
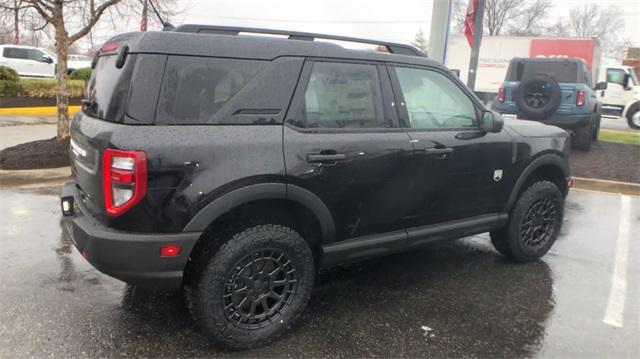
point(392, 20)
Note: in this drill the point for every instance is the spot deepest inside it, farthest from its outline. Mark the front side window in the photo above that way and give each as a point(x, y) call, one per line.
point(342, 95)
point(615, 76)
point(434, 101)
point(36, 55)
point(195, 88)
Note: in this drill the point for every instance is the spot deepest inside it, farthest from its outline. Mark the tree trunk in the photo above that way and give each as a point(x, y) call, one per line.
point(62, 96)
point(16, 22)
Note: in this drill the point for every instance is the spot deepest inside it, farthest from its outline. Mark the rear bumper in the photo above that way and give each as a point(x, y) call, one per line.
point(131, 257)
point(562, 121)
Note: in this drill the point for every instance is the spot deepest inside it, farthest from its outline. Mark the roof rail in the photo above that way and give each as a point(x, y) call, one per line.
point(394, 48)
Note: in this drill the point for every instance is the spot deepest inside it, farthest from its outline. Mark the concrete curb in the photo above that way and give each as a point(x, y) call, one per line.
point(592, 184)
point(34, 178)
point(58, 176)
point(35, 111)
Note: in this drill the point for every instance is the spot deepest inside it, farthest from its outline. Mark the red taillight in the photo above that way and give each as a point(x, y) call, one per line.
point(501, 94)
point(580, 97)
point(170, 251)
point(109, 47)
point(124, 180)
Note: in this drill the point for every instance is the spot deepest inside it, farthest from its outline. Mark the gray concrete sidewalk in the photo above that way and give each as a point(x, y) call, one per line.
point(26, 120)
point(14, 135)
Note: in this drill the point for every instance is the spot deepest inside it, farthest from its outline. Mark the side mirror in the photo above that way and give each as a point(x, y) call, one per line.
point(625, 81)
point(491, 122)
point(47, 59)
point(601, 86)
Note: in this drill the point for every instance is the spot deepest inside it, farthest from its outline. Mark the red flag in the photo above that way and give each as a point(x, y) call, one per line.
point(470, 21)
point(143, 21)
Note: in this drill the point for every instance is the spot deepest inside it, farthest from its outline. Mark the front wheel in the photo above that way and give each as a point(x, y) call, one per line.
point(254, 287)
point(533, 225)
point(633, 117)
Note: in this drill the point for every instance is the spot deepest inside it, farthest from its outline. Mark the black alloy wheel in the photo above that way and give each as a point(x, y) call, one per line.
point(259, 289)
point(538, 224)
point(537, 95)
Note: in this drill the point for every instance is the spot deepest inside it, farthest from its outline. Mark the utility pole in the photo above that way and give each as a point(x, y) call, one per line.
point(439, 34)
point(475, 45)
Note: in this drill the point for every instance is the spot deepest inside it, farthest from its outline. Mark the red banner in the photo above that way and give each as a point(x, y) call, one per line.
point(470, 21)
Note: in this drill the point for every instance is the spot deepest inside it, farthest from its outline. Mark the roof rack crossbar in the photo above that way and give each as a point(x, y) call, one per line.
point(394, 48)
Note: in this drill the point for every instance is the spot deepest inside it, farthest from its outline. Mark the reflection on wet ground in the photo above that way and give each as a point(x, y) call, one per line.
point(455, 299)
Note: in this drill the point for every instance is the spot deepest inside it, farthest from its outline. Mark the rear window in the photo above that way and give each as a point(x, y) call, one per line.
point(194, 89)
point(561, 71)
point(108, 87)
point(15, 53)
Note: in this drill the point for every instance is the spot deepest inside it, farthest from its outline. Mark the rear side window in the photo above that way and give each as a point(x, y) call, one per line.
point(561, 71)
point(15, 53)
point(195, 88)
point(108, 88)
point(342, 95)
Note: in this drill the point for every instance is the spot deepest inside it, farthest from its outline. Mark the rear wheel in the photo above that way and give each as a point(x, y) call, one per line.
point(254, 287)
point(533, 225)
point(596, 127)
point(582, 137)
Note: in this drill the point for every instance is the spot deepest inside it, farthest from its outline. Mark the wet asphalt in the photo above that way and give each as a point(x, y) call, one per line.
point(452, 299)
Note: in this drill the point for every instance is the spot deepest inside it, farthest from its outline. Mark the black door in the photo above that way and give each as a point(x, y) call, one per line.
point(343, 143)
point(459, 170)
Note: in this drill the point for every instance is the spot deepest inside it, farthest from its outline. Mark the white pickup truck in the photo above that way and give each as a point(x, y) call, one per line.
point(622, 96)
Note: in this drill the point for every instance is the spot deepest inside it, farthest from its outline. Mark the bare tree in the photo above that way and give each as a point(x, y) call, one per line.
point(71, 20)
point(421, 42)
point(595, 21)
point(497, 13)
point(530, 20)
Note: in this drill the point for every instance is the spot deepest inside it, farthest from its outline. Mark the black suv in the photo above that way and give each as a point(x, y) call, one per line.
point(237, 166)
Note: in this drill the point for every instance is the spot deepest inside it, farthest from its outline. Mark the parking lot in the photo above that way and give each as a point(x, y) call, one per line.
point(454, 299)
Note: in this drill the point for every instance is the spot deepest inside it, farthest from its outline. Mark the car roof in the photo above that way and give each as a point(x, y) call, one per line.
point(546, 59)
point(252, 47)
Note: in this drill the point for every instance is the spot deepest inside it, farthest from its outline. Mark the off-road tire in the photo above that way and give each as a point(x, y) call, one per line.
point(596, 127)
point(509, 240)
point(630, 113)
point(205, 294)
point(582, 138)
point(551, 104)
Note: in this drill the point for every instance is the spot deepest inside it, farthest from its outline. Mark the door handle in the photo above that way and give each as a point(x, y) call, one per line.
point(328, 158)
point(438, 152)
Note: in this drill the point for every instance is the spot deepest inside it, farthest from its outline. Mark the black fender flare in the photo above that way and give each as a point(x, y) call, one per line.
point(262, 191)
point(547, 159)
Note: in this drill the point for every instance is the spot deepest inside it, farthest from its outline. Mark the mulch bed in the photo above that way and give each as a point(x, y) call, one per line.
point(10, 102)
point(36, 154)
point(608, 161)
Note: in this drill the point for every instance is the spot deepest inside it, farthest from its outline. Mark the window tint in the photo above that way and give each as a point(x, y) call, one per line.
point(434, 101)
point(615, 76)
point(108, 88)
point(15, 53)
point(35, 55)
point(561, 71)
point(195, 88)
point(343, 95)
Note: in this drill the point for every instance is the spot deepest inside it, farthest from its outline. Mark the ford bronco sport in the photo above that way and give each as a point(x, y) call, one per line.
point(236, 166)
point(556, 92)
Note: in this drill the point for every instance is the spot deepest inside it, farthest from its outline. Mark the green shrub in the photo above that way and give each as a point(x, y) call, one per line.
point(46, 88)
point(9, 82)
point(81, 74)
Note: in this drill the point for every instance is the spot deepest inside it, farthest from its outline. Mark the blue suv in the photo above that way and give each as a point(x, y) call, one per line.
point(556, 92)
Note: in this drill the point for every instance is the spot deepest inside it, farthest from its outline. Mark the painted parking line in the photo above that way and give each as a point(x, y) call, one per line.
point(614, 314)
